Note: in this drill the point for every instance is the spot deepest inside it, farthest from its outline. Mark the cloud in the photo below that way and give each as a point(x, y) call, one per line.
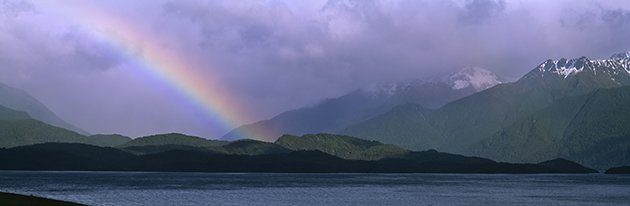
point(478, 11)
point(617, 18)
point(276, 55)
point(15, 8)
point(344, 44)
point(90, 53)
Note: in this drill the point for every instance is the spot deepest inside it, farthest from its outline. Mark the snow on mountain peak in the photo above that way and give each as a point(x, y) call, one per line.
point(564, 67)
point(622, 55)
point(475, 77)
point(616, 67)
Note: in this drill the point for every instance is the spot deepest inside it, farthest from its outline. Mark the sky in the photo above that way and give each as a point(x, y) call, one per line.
point(260, 58)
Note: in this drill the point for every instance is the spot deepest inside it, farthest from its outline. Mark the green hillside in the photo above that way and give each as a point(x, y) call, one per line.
point(592, 129)
point(29, 131)
point(173, 139)
point(536, 137)
point(109, 140)
point(7, 114)
point(18, 129)
point(20, 100)
point(341, 146)
point(458, 124)
point(403, 125)
point(548, 113)
point(253, 147)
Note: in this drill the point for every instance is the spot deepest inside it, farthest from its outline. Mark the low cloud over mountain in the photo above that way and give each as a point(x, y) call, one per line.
point(277, 55)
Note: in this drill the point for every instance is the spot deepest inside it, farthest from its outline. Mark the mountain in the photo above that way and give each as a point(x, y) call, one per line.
point(328, 116)
point(338, 145)
point(341, 146)
point(153, 149)
point(20, 100)
point(254, 147)
point(581, 75)
point(66, 156)
point(333, 115)
point(403, 125)
point(503, 115)
point(7, 114)
point(109, 140)
point(173, 139)
point(62, 156)
point(566, 165)
point(591, 128)
point(18, 128)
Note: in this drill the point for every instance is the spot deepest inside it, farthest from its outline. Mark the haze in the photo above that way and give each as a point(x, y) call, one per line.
point(277, 55)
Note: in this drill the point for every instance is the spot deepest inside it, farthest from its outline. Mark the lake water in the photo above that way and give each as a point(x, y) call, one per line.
point(156, 188)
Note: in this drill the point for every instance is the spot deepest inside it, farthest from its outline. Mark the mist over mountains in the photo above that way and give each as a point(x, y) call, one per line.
point(22, 101)
point(333, 115)
point(285, 55)
point(576, 109)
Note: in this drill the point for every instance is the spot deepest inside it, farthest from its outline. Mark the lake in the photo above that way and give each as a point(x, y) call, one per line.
point(159, 188)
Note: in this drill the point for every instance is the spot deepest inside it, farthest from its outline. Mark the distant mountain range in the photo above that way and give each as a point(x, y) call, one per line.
point(572, 108)
point(333, 115)
point(575, 109)
point(28, 144)
point(312, 154)
point(20, 100)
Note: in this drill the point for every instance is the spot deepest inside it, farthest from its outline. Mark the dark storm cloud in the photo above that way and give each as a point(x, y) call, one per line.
point(277, 55)
point(478, 11)
point(617, 19)
point(618, 22)
point(340, 45)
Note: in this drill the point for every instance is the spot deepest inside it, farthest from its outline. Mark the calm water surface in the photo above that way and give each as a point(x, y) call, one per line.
point(141, 188)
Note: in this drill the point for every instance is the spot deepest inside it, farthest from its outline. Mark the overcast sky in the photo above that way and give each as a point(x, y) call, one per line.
point(278, 55)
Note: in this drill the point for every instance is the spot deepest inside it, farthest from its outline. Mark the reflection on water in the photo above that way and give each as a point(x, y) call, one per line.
point(149, 188)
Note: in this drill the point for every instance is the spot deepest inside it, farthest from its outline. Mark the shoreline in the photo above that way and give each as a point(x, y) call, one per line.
point(246, 172)
point(7, 198)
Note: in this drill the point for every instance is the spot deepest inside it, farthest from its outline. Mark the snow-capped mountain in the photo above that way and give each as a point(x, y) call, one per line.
point(622, 55)
point(614, 70)
point(571, 108)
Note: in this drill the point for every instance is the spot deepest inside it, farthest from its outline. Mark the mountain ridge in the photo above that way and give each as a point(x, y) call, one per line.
point(73, 156)
point(458, 125)
point(333, 115)
point(17, 128)
point(20, 100)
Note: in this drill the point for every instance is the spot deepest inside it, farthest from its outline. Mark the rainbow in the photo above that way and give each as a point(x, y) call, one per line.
point(169, 67)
